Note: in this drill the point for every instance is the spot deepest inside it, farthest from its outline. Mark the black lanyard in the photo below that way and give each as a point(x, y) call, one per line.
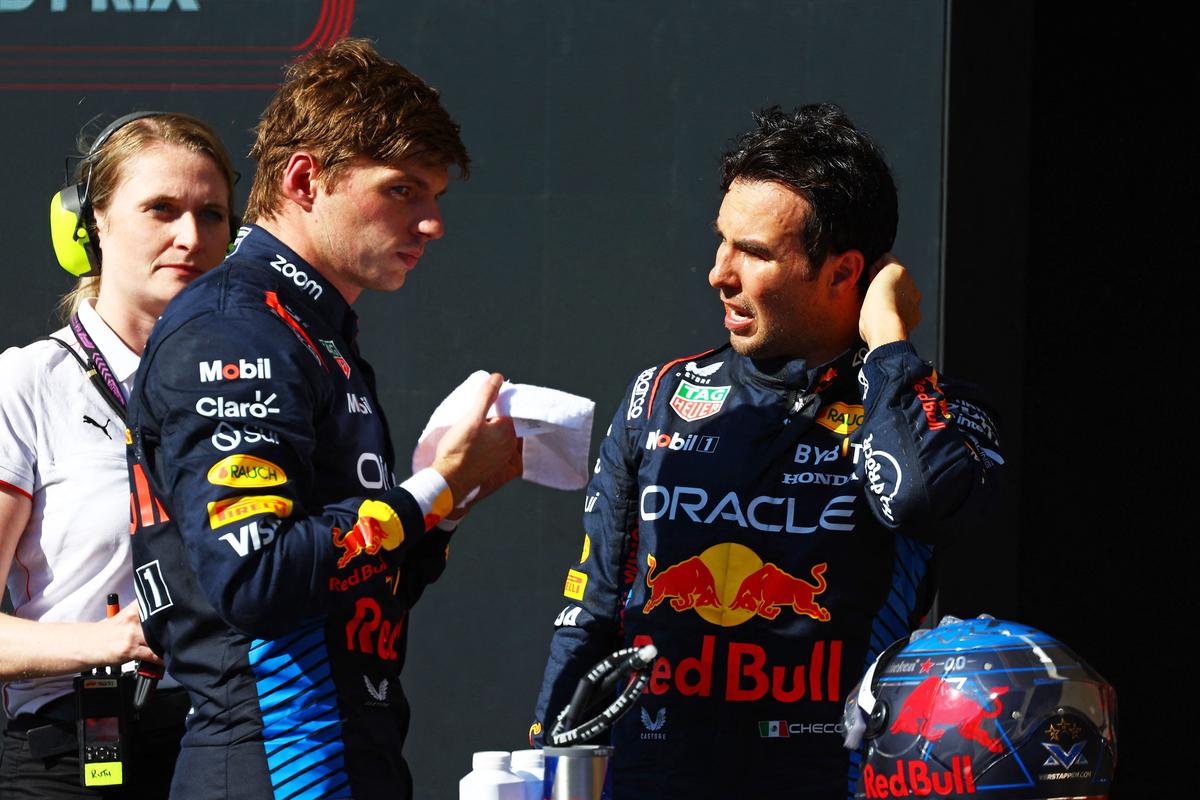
point(95, 367)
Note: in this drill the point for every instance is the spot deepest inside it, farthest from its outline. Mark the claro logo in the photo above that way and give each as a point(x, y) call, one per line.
point(229, 409)
point(298, 277)
point(105, 5)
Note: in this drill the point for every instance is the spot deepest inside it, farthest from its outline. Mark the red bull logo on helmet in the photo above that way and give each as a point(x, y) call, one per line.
point(745, 589)
point(916, 779)
point(936, 706)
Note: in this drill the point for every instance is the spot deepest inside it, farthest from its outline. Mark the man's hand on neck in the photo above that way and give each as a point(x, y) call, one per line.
point(892, 305)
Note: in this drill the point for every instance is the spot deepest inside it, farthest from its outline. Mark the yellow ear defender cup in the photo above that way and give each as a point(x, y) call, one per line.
point(72, 244)
point(71, 210)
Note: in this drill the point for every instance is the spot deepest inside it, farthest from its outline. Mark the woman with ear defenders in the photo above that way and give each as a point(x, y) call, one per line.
point(151, 212)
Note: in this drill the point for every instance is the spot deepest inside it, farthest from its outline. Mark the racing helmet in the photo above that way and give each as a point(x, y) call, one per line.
point(982, 708)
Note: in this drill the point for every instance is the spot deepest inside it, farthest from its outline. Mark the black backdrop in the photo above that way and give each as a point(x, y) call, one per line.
point(1070, 183)
point(577, 254)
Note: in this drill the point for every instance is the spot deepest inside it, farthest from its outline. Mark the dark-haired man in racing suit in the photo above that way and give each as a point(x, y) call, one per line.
point(275, 559)
point(766, 512)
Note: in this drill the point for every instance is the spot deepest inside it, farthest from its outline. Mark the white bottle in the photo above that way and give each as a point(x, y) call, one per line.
point(491, 779)
point(530, 765)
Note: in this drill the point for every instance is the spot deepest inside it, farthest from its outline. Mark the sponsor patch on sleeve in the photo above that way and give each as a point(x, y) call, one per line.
point(240, 470)
point(236, 509)
point(971, 417)
point(576, 583)
point(378, 526)
point(389, 522)
point(933, 402)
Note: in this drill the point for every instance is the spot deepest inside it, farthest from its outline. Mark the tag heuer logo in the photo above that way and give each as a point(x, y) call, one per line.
point(692, 402)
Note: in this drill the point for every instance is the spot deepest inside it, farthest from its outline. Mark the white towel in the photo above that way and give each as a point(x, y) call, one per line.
point(556, 428)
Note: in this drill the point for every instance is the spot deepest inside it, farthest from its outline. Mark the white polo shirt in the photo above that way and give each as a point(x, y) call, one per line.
point(62, 446)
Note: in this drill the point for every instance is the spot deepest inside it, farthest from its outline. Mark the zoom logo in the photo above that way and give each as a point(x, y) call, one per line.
point(298, 277)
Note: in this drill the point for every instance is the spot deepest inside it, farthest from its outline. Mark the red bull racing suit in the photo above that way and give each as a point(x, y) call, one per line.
point(771, 528)
point(275, 559)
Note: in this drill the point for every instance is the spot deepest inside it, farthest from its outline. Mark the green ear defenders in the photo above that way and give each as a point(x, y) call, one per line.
point(71, 210)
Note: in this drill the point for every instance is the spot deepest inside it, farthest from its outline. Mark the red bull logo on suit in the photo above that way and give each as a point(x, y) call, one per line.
point(747, 587)
point(749, 673)
point(377, 527)
point(728, 584)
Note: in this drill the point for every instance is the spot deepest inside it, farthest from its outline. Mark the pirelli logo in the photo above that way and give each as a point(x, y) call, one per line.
point(145, 509)
point(576, 583)
point(236, 509)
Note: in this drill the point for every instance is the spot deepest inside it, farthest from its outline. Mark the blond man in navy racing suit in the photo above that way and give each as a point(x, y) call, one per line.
point(276, 559)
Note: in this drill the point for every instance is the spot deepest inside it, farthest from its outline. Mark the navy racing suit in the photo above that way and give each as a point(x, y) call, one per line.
point(770, 527)
point(275, 559)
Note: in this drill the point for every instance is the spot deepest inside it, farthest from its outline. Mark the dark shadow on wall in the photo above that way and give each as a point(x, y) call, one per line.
point(1084, 106)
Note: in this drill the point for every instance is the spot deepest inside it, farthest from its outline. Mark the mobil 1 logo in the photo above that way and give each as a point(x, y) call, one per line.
point(692, 443)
